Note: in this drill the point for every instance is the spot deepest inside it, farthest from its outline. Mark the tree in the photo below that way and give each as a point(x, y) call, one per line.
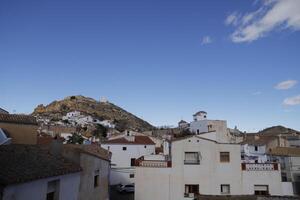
point(100, 131)
point(75, 138)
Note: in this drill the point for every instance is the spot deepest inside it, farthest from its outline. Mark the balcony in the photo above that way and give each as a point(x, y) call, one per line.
point(153, 163)
point(259, 166)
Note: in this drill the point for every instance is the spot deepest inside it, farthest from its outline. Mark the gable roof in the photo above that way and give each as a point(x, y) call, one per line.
point(24, 163)
point(93, 150)
point(138, 140)
point(202, 138)
point(17, 119)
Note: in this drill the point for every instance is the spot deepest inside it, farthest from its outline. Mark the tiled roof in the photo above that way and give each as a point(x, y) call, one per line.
point(258, 140)
point(285, 151)
point(24, 163)
point(18, 119)
point(93, 149)
point(138, 140)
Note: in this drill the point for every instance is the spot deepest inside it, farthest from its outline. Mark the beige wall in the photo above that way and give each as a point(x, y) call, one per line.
point(20, 133)
point(91, 166)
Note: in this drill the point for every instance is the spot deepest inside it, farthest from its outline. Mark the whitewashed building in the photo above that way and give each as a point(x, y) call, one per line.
point(28, 172)
point(200, 166)
point(212, 129)
point(255, 147)
point(125, 150)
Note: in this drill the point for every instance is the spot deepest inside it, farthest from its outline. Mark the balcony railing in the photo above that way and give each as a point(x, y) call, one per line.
point(259, 166)
point(153, 163)
point(191, 162)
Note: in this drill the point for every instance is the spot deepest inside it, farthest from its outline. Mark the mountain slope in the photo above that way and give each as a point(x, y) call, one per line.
point(276, 130)
point(89, 106)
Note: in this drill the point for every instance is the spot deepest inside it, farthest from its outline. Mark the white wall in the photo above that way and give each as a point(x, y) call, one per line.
point(209, 174)
point(217, 127)
point(249, 150)
point(37, 190)
point(270, 178)
point(153, 184)
point(121, 160)
point(287, 189)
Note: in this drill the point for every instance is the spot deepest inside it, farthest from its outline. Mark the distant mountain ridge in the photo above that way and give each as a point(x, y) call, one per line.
point(277, 130)
point(89, 106)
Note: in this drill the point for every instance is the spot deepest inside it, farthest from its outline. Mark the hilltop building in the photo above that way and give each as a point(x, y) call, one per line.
point(213, 129)
point(183, 124)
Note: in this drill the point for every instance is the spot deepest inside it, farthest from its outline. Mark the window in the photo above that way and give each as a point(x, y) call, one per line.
point(255, 148)
point(191, 158)
point(261, 189)
point(224, 157)
point(96, 180)
point(284, 177)
point(198, 131)
point(132, 162)
point(191, 190)
point(50, 196)
point(225, 189)
point(53, 190)
point(145, 146)
point(131, 175)
point(124, 148)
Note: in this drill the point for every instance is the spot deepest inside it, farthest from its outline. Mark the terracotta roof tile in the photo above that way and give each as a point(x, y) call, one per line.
point(285, 151)
point(18, 119)
point(258, 140)
point(93, 149)
point(138, 140)
point(24, 163)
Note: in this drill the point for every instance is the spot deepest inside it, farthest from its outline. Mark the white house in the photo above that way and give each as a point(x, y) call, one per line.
point(28, 172)
point(183, 124)
point(203, 166)
point(125, 150)
point(211, 129)
point(255, 147)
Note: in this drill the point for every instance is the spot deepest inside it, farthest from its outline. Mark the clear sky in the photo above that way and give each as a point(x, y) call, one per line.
point(162, 60)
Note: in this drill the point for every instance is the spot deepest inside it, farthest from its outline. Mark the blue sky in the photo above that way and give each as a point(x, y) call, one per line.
point(161, 60)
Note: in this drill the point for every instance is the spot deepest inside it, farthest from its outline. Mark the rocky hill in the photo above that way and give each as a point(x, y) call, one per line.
point(276, 130)
point(100, 110)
